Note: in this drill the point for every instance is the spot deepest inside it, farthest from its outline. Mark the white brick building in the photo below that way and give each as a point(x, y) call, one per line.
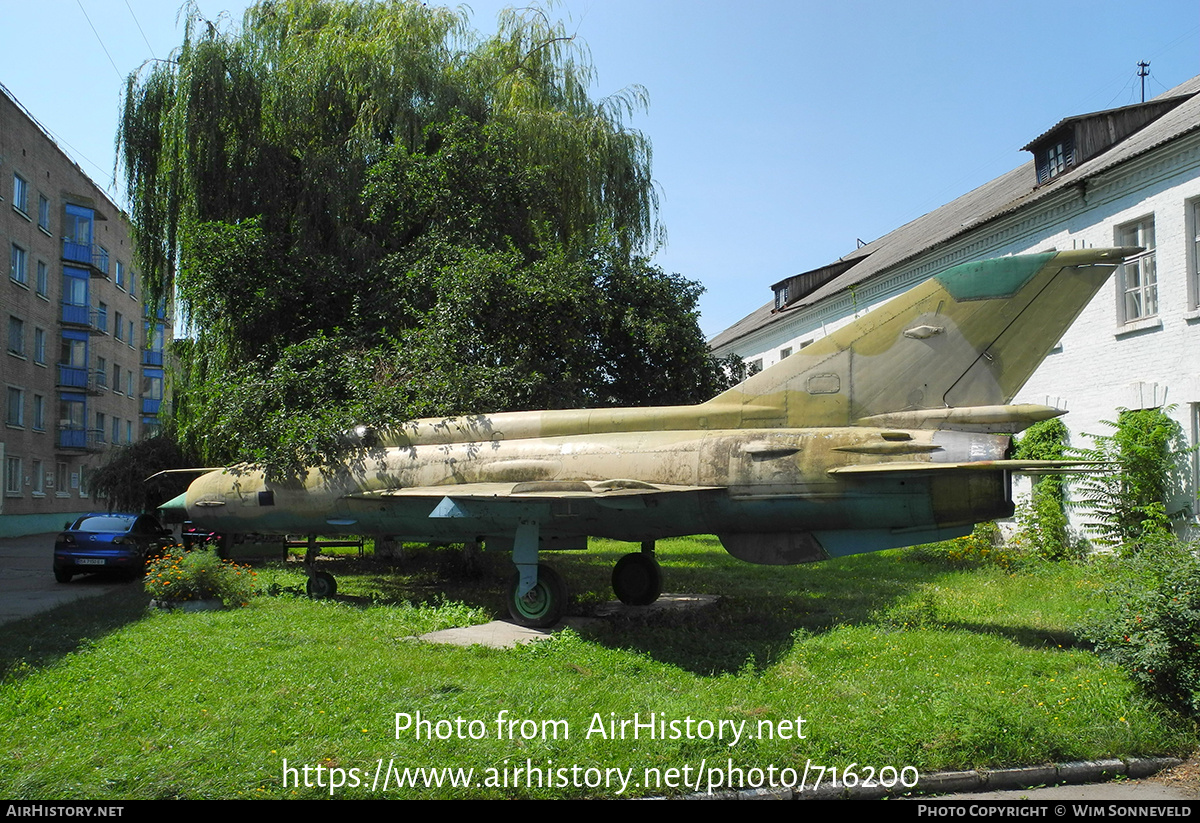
point(1128, 176)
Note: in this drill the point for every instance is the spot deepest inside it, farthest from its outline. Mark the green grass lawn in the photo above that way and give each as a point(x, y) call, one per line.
point(890, 663)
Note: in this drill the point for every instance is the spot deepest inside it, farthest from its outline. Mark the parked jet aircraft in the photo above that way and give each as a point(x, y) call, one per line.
point(891, 431)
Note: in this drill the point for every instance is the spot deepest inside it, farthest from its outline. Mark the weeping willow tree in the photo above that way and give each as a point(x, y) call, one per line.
point(453, 214)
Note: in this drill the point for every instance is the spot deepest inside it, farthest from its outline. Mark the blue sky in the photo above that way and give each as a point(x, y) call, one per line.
point(783, 132)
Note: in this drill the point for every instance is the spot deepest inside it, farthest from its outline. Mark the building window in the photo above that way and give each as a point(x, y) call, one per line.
point(39, 480)
point(1193, 217)
point(61, 478)
point(39, 346)
point(128, 432)
point(116, 384)
point(77, 234)
point(102, 316)
point(18, 270)
point(43, 279)
point(75, 295)
point(152, 384)
point(102, 372)
point(781, 297)
point(39, 413)
point(784, 353)
point(129, 383)
point(1138, 282)
point(43, 213)
point(1056, 160)
point(20, 193)
point(101, 419)
point(16, 407)
point(73, 352)
point(118, 327)
point(120, 275)
point(16, 336)
point(12, 477)
point(116, 430)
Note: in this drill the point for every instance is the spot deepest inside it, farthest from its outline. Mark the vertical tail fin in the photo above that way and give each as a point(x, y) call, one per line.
point(970, 336)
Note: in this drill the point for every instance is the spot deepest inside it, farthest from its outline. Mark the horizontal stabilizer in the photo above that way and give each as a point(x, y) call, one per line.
point(990, 419)
point(1024, 466)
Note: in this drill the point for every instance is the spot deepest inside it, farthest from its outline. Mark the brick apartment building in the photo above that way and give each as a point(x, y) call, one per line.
point(82, 370)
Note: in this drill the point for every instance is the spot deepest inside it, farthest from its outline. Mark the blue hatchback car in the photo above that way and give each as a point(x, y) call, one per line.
point(108, 542)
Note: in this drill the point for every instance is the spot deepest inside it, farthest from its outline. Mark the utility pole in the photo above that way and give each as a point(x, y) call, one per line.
point(1142, 72)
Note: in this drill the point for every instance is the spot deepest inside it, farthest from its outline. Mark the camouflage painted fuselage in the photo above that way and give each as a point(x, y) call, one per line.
point(891, 431)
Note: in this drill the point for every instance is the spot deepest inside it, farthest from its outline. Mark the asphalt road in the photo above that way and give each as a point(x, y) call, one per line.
point(27, 584)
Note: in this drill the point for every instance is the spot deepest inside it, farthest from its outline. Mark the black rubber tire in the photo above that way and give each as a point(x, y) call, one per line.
point(321, 585)
point(637, 579)
point(544, 606)
point(63, 576)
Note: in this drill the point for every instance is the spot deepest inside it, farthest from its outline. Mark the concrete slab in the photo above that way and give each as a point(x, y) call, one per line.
point(27, 584)
point(500, 634)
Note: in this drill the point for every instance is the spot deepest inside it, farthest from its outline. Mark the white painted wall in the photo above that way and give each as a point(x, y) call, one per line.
point(1102, 365)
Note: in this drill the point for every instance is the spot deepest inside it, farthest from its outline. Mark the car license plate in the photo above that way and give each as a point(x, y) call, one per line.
point(90, 561)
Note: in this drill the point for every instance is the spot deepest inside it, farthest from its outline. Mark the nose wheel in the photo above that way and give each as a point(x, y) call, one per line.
point(545, 603)
point(321, 585)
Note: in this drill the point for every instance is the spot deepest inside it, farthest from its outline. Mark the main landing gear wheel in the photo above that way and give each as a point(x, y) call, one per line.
point(637, 579)
point(544, 605)
point(321, 585)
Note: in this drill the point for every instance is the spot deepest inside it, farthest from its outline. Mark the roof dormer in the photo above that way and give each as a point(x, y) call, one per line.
point(788, 291)
point(1074, 140)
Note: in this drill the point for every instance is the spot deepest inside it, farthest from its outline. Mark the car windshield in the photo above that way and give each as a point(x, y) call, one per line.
point(104, 523)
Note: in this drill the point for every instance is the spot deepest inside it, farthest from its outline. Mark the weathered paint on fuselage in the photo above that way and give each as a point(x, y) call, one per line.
point(738, 478)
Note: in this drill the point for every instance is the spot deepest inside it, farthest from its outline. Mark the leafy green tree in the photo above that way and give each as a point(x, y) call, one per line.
point(366, 209)
point(122, 481)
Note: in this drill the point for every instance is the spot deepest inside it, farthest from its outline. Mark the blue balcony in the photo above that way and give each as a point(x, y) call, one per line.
point(77, 252)
point(150, 406)
point(152, 358)
point(90, 254)
point(73, 439)
point(75, 377)
point(76, 315)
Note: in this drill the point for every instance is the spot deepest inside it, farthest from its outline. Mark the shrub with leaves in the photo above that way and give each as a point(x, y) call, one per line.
point(1154, 630)
point(1042, 526)
point(1139, 496)
point(200, 575)
point(984, 546)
